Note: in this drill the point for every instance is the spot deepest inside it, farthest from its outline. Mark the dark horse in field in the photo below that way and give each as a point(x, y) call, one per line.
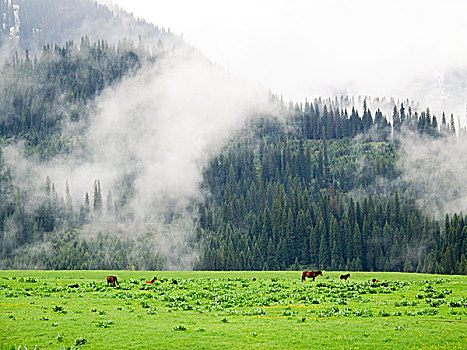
point(112, 280)
point(344, 277)
point(311, 274)
point(152, 281)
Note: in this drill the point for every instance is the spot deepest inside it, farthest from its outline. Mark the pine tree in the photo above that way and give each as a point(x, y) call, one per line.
point(97, 204)
point(68, 203)
point(452, 125)
point(396, 121)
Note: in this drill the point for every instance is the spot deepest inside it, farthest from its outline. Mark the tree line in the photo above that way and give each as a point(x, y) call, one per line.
point(285, 203)
point(303, 191)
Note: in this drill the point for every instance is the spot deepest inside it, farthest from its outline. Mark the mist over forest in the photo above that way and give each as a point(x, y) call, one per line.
point(123, 147)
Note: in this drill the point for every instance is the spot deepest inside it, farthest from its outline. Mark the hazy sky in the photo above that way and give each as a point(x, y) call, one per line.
point(304, 48)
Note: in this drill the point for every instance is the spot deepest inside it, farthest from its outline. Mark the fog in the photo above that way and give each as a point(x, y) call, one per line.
point(436, 170)
point(153, 133)
point(303, 49)
point(156, 131)
point(163, 125)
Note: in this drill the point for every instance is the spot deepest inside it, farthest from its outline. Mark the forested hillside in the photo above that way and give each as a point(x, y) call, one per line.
point(284, 198)
point(40, 100)
point(31, 24)
point(299, 189)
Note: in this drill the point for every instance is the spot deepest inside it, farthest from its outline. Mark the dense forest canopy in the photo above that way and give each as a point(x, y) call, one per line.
point(301, 188)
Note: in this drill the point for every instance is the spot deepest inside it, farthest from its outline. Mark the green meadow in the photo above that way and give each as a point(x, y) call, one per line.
point(231, 310)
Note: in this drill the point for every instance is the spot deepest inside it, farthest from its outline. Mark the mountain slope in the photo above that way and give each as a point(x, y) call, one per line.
point(30, 24)
point(116, 158)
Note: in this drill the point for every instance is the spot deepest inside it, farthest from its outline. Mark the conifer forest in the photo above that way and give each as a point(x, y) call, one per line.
point(315, 184)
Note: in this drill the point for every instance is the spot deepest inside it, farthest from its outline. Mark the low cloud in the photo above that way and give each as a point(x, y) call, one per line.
point(435, 169)
point(153, 133)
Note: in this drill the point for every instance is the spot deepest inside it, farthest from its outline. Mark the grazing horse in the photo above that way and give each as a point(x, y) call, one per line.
point(76, 285)
point(112, 280)
point(312, 274)
point(152, 281)
point(344, 277)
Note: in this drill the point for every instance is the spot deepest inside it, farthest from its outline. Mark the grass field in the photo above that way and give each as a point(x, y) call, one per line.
point(231, 310)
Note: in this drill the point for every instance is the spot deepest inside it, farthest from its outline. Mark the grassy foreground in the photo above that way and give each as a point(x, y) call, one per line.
point(231, 310)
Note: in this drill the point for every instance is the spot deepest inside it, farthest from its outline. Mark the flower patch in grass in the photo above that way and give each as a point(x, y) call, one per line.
point(80, 341)
point(104, 324)
point(152, 311)
point(59, 308)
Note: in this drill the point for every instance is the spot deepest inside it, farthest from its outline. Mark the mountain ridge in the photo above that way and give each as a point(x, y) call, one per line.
point(31, 24)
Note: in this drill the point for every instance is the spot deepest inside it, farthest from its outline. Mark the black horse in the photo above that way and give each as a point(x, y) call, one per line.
point(344, 277)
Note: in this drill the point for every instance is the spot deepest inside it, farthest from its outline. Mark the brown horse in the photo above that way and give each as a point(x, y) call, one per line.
point(112, 280)
point(311, 274)
point(152, 281)
point(344, 277)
